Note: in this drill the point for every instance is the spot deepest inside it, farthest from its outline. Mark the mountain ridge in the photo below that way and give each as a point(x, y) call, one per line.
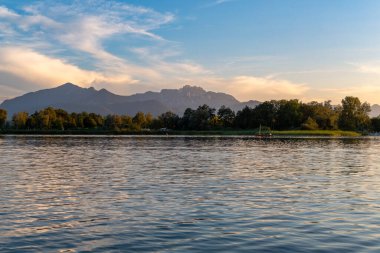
point(375, 110)
point(73, 98)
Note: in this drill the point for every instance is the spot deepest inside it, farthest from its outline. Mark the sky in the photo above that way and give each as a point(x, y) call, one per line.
point(312, 50)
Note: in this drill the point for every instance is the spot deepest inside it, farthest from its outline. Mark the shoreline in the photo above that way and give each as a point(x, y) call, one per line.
point(253, 133)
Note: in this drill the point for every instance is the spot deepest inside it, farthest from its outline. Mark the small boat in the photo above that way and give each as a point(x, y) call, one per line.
point(260, 134)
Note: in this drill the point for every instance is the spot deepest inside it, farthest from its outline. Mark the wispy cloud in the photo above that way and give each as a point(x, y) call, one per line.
point(265, 88)
point(84, 25)
point(216, 3)
point(7, 13)
point(58, 33)
point(222, 1)
point(368, 68)
point(51, 43)
point(367, 91)
point(34, 66)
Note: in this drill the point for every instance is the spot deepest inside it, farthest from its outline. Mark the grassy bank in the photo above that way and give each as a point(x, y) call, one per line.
point(78, 132)
point(331, 133)
point(214, 132)
point(316, 133)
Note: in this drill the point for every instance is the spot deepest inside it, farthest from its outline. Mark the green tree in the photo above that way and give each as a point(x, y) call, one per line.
point(156, 123)
point(310, 124)
point(148, 120)
point(375, 124)
point(289, 115)
point(46, 118)
point(354, 115)
point(32, 122)
point(19, 120)
point(3, 118)
point(226, 116)
point(324, 114)
point(92, 120)
point(185, 122)
point(126, 121)
point(244, 118)
point(62, 120)
point(139, 120)
point(201, 117)
point(113, 122)
point(215, 122)
point(79, 120)
point(265, 114)
point(72, 122)
point(168, 120)
point(89, 122)
point(99, 119)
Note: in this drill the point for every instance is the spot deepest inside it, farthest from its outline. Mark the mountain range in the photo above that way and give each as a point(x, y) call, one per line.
point(73, 98)
point(375, 111)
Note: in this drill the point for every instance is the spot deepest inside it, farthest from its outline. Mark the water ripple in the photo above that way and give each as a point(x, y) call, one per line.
point(179, 194)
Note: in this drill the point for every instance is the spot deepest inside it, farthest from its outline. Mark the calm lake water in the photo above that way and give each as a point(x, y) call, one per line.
point(182, 194)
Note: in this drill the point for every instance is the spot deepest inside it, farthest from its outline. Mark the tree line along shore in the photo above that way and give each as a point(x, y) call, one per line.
point(290, 117)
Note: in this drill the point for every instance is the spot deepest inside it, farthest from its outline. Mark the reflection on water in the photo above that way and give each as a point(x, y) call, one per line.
point(189, 194)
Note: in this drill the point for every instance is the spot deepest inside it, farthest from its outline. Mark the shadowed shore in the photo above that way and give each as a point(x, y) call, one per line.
point(332, 133)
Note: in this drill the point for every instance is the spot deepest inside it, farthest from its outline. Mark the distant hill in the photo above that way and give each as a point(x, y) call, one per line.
point(375, 111)
point(73, 98)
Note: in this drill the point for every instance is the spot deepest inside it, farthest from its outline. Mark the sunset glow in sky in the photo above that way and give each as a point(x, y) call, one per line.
point(252, 49)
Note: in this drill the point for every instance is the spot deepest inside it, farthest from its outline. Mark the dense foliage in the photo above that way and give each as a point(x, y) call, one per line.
point(3, 118)
point(275, 114)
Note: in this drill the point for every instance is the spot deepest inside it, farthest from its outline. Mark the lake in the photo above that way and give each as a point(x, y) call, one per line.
point(189, 194)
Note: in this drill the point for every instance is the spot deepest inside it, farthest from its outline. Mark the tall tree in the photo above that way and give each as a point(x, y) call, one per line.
point(139, 119)
point(324, 114)
point(265, 114)
point(376, 124)
point(19, 120)
point(148, 120)
point(354, 114)
point(185, 122)
point(201, 117)
point(226, 116)
point(168, 120)
point(244, 118)
point(3, 117)
point(289, 114)
point(126, 121)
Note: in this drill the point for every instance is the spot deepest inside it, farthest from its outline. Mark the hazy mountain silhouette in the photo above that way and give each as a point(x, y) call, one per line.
point(73, 98)
point(375, 110)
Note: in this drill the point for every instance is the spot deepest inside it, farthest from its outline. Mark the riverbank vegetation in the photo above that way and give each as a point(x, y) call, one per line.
point(281, 117)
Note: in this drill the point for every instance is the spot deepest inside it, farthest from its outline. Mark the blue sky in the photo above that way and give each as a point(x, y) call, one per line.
point(252, 49)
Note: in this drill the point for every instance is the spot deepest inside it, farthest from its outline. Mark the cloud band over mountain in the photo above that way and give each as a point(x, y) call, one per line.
point(130, 48)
